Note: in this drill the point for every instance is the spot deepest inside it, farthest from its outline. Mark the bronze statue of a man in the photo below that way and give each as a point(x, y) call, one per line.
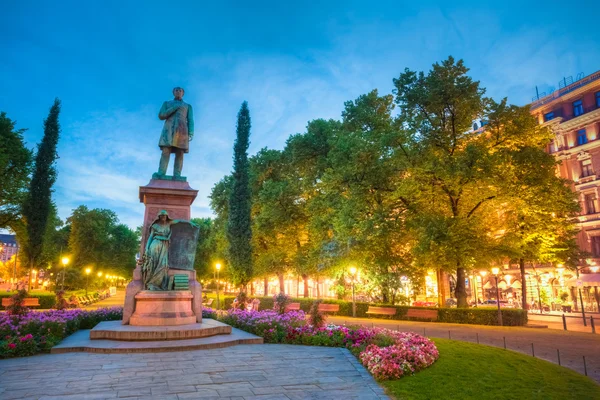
point(176, 134)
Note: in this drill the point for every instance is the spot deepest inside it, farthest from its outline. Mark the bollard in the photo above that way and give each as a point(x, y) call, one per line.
point(532, 350)
point(504, 337)
point(584, 366)
point(593, 324)
point(564, 321)
point(477, 338)
point(449, 335)
point(558, 355)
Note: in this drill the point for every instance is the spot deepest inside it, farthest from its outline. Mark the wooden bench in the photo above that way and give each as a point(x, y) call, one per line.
point(382, 310)
point(208, 303)
point(328, 307)
point(422, 314)
point(27, 302)
point(292, 307)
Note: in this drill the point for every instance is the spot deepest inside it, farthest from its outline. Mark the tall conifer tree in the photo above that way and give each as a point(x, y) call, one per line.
point(37, 206)
point(239, 231)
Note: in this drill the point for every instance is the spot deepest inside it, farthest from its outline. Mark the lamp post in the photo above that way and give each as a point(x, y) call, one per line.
point(483, 274)
point(65, 261)
point(218, 268)
point(353, 274)
point(495, 272)
point(87, 279)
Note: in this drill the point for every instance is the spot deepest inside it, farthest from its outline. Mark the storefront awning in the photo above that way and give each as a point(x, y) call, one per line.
point(516, 285)
point(502, 285)
point(586, 279)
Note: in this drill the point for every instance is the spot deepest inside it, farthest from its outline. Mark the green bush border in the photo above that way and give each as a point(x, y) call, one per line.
point(47, 299)
point(476, 316)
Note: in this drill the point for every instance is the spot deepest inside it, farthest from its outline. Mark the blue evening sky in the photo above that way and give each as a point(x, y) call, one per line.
point(113, 63)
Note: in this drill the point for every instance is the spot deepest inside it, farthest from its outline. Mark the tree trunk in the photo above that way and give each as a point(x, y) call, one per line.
point(252, 288)
point(523, 284)
point(461, 289)
point(305, 278)
point(281, 283)
point(266, 283)
point(319, 291)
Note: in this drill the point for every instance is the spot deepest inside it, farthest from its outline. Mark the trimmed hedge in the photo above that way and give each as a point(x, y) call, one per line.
point(47, 299)
point(478, 316)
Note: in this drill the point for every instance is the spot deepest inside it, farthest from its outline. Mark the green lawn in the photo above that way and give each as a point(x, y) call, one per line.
point(471, 371)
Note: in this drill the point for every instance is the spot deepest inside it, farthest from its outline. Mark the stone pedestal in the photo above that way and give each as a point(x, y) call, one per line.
point(163, 308)
point(176, 197)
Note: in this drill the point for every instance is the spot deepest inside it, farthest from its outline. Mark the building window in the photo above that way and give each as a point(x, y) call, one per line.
point(596, 246)
point(549, 116)
point(577, 108)
point(597, 99)
point(581, 137)
point(586, 168)
point(590, 203)
point(552, 147)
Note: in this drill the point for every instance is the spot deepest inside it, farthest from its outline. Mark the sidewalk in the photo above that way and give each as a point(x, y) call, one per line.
point(544, 343)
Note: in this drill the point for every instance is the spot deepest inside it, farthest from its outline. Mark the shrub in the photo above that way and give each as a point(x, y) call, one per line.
point(480, 315)
point(316, 318)
point(16, 307)
point(208, 312)
point(280, 302)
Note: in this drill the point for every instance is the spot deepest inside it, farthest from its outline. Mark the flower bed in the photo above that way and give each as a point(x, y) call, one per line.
point(34, 332)
point(387, 354)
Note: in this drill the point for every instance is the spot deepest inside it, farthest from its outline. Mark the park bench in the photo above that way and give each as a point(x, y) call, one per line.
point(422, 314)
point(328, 307)
point(382, 310)
point(27, 302)
point(208, 303)
point(83, 300)
point(292, 307)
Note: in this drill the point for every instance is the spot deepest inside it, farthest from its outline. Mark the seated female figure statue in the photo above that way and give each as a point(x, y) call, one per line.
point(156, 257)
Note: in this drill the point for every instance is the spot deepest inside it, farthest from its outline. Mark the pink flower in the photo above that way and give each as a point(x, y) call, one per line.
point(12, 345)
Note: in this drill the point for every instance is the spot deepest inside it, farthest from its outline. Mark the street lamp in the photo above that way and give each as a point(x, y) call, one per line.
point(218, 268)
point(353, 274)
point(483, 274)
point(34, 272)
point(65, 261)
point(495, 272)
point(87, 279)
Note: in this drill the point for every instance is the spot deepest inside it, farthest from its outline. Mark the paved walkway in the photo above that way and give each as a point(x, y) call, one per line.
point(573, 346)
point(266, 372)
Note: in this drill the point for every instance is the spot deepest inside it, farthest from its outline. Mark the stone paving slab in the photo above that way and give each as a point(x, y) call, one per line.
point(267, 372)
point(80, 341)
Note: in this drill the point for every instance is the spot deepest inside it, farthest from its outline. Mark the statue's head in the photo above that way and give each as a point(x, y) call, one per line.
point(162, 215)
point(178, 92)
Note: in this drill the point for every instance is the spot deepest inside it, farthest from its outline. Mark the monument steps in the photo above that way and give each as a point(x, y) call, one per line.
point(114, 330)
point(80, 342)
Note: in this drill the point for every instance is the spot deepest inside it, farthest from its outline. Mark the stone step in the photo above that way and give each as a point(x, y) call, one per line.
point(114, 330)
point(80, 342)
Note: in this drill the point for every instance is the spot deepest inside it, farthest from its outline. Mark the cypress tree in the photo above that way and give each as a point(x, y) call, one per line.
point(37, 206)
point(239, 231)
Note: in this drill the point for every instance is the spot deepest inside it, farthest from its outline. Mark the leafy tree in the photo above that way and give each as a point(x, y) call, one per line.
point(453, 168)
point(540, 219)
point(97, 239)
point(38, 204)
point(239, 230)
point(361, 184)
point(206, 251)
point(15, 166)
